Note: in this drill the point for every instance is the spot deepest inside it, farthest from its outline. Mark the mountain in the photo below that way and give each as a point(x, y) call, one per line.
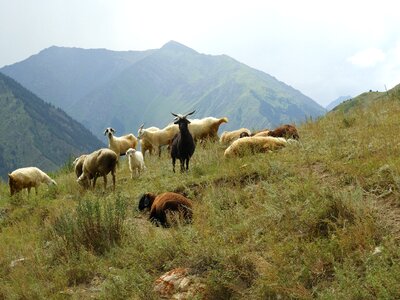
point(365, 99)
point(131, 88)
point(35, 133)
point(336, 102)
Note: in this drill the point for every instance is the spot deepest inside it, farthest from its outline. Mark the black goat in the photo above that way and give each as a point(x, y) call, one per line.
point(183, 145)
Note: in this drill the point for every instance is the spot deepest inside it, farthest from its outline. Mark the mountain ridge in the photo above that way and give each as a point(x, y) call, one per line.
point(172, 78)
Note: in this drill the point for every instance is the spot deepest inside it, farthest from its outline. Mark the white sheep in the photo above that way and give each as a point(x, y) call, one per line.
point(27, 178)
point(206, 127)
point(247, 145)
point(229, 136)
point(160, 137)
point(98, 163)
point(145, 144)
point(136, 161)
point(120, 144)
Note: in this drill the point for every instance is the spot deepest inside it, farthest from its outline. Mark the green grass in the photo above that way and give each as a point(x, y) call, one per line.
point(302, 222)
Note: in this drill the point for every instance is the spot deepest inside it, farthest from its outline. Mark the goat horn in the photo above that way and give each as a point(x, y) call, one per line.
point(141, 126)
point(188, 114)
point(174, 114)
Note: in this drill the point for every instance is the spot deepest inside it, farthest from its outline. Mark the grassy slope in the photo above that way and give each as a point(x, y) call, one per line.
point(302, 223)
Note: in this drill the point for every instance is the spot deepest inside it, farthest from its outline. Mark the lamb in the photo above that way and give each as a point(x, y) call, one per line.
point(146, 144)
point(158, 138)
point(165, 203)
point(183, 145)
point(78, 165)
point(120, 144)
point(253, 145)
point(206, 128)
point(287, 131)
point(27, 178)
point(98, 163)
point(136, 161)
point(229, 136)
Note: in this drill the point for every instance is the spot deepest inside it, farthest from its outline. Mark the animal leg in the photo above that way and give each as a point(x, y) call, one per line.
point(182, 165)
point(173, 164)
point(187, 164)
point(113, 180)
point(94, 181)
point(105, 181)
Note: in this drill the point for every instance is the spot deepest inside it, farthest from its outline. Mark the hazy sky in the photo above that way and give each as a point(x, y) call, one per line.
point(325, 49)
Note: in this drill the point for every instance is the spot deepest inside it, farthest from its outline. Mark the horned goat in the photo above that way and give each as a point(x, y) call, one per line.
point(98, 163)
point(166, 203)
point(183, 145)
point(120, 144)
point(136, 161)
point(29, 177)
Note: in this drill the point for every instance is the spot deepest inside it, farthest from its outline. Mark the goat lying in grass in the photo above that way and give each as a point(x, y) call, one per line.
point(228, 137)
point(286, 131)
point(30, 177)
point(251, 145)
point(166, 203)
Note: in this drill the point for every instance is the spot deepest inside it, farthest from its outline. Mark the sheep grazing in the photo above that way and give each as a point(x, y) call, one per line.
point(158, 138)
point(146, 145)
point(286, 131)
point(27, 178)
point(98, 163)
point(183, 145)
point(136, 161)
point(251, 145)
point(120, 144)
point(166, 203)
point(228, 137)
point(78, 165)
point(206, 128)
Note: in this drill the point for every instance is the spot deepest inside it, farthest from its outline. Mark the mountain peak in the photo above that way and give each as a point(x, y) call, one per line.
point(175, 46)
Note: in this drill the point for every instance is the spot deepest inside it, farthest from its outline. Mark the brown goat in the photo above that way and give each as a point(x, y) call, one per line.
point(163, 203)
point(286, 131)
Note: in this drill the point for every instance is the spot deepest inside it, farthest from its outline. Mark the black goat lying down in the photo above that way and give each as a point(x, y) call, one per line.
point(165, 203)
point(183, 145)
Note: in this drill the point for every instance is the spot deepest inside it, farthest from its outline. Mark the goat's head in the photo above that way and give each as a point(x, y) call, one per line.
point(182, 120)
point(140, 131)
point(109, 132)
point(130, 151)
point(146, 201)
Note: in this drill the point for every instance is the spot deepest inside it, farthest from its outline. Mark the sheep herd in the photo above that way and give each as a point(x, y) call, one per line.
point(180, 137)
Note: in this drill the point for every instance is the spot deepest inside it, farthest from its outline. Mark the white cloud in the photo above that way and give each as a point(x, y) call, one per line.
point(367, 58)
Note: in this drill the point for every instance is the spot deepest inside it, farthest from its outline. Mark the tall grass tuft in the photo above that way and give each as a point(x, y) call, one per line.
point(96, 224)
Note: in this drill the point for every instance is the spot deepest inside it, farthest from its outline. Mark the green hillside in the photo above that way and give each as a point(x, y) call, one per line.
point(150, 84)
point(35, 133)
point(318, 219)
point(62, 76)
